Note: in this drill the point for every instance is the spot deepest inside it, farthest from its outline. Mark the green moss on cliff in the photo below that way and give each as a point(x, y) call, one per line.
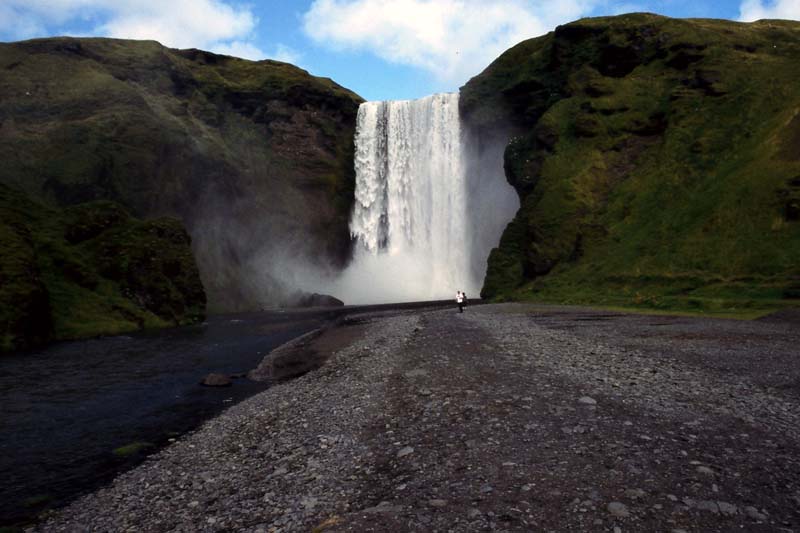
point(252, 156)
point(659, 165)
point(90, 270)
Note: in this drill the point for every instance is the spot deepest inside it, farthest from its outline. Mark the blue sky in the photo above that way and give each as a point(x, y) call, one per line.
point(381, 49)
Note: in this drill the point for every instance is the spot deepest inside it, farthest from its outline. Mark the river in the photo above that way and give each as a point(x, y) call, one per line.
point(65, 409)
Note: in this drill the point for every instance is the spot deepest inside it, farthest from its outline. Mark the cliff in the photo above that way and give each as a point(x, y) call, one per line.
point(90, 269)
point(657, 162)
point(255, 158)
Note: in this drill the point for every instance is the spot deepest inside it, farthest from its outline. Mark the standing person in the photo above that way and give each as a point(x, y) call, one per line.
point(460, 301)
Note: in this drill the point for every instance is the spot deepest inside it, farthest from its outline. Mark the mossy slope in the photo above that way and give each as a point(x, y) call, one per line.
point(88, 270)
point(254, 157)
point(657, 162)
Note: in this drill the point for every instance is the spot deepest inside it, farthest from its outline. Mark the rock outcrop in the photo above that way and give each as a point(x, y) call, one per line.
point(254, 157)
point(656, 161)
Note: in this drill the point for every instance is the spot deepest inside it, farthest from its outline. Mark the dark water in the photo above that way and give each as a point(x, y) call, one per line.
point(66, 408)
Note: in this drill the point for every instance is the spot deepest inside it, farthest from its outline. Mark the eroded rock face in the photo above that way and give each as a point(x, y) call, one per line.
point(254, 157)
point(615, 125)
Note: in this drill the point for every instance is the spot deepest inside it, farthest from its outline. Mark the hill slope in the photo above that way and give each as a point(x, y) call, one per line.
point(254, 157)
point(657, 162)
point(90, 269)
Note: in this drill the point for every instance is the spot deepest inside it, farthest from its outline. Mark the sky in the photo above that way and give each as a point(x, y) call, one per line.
point(381, 49)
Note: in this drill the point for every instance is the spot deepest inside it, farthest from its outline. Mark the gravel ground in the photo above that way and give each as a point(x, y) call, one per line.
point(503, 418)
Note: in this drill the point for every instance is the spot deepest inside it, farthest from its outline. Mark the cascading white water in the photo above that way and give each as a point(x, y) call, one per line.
point(417, 229)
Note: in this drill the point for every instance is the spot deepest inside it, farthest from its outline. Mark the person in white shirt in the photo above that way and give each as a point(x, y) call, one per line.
point(460, 297)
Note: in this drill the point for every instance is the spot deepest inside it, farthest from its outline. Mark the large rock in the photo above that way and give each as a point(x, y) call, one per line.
point(216, 380)
point(318, 300)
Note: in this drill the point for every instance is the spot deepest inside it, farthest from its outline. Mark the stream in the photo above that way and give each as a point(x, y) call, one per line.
point(67, 408)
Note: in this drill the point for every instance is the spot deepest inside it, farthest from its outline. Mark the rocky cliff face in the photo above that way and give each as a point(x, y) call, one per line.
point(657, 161)
point(254, 157)
point(90, 269)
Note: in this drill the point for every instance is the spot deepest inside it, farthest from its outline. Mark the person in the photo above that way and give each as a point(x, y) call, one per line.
point(460, 301)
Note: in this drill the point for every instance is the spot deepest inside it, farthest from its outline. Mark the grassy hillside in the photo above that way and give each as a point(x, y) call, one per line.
point(657, 162)
point(88, 270)
point(252, 156)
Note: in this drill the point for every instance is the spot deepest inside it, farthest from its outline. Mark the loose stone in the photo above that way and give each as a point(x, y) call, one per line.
point(753, 513)
point(405, 451)
point(618, 509)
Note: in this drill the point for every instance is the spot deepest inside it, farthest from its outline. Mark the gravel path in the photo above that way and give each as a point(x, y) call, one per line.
point(503, 418)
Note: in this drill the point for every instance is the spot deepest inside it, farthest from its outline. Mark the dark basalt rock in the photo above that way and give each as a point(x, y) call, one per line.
point(618, 61)
point(587, 126)
point(655, 124)
point(89, 221)
point(216, 380)
point(707, 81)
point(318, 300)
point(792, 210)
point(684, 54)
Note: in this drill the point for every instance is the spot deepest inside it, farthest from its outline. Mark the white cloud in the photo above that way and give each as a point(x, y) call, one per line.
point(453, 39)
point(286, 54)
point(620, 9)
point(241, 49)
point(208, 24)
point(250, 51)
point(751, 10)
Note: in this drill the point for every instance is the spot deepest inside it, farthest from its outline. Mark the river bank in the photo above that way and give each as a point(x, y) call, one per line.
point(507, 418)
point(78, 413)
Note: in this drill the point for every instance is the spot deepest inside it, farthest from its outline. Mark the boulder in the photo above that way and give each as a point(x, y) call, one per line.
point(318, 300)
point(216, 380)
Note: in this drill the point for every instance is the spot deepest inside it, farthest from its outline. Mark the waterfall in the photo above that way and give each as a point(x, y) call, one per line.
point(420, 231)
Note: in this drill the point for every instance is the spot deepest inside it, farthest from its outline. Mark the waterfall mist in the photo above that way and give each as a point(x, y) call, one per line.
point(431, 201)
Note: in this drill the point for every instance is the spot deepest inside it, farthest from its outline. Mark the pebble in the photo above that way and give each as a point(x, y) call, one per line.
point(587, 400)
point(408, 450)
point(753, 513)
point(727, 509)
point(635, 494)
point(618, 509)
point(437, 503)
point(707, 505)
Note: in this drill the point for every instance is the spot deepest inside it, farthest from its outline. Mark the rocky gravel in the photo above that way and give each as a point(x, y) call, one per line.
point(503, 418)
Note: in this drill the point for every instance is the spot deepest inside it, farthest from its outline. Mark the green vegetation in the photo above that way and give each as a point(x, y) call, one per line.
point(657, 162)
point(247, 154)
point(132, 449)
point(90, 270)
point(37, 501)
